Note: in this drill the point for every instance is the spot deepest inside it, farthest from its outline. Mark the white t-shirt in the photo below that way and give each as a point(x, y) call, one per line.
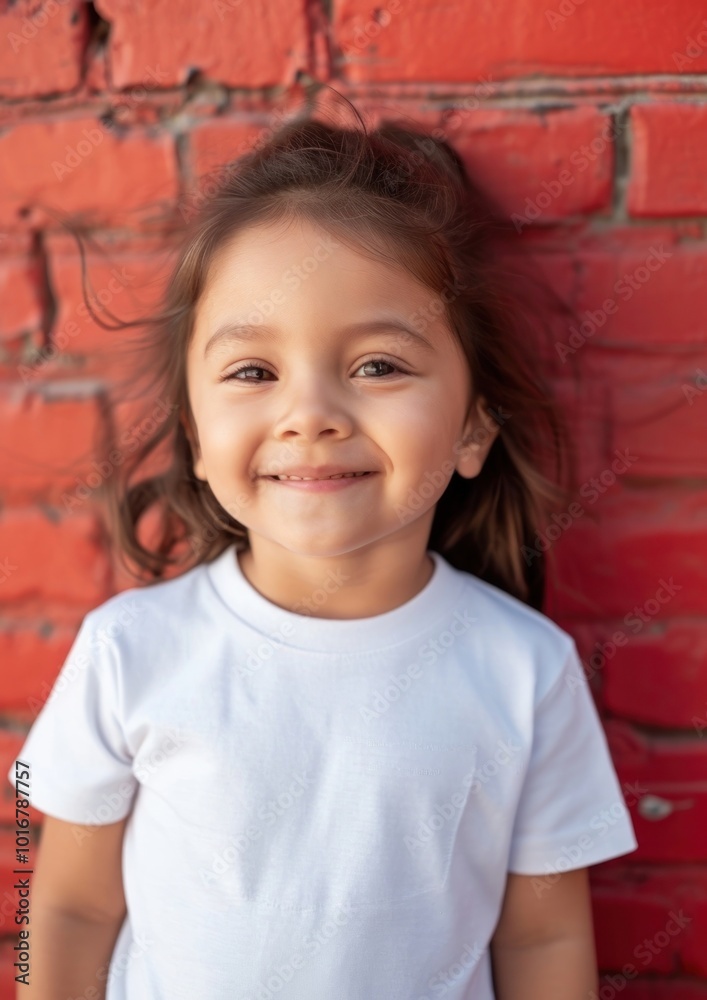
point(323, 807)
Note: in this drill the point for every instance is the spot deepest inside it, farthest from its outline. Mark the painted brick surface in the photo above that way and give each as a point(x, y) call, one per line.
point(239, 44)
point(586, 122)
point(429, 42)
point(670, 146)
point(43, 46)
point(78, 166)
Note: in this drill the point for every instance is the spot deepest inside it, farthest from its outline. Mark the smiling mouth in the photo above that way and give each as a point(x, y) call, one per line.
point(312, 479)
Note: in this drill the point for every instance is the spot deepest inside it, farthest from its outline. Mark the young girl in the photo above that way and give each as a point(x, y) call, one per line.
point(339, 752)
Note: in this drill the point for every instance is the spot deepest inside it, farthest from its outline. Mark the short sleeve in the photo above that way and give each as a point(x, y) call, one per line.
point(571, 812)
point(80, 766)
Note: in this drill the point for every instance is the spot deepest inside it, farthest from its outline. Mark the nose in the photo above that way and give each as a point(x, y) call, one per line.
point(312, 406)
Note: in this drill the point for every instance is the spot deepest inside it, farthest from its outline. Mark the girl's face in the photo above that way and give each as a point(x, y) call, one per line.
point(323, 373)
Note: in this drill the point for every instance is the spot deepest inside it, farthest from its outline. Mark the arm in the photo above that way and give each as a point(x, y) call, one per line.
point(77, 907)
point(543, 944)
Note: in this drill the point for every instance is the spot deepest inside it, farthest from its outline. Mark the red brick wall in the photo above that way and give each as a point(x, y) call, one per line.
point(588, 122)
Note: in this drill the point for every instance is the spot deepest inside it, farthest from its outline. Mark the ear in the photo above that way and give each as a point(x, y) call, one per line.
point(480, 432)
point(192, 437)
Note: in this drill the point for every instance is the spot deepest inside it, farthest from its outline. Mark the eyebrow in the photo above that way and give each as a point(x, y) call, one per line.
point(244, 332)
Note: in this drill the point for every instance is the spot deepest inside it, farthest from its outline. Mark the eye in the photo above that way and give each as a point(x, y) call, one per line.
point(245, 368)
point(234, 376)
point(383, 361)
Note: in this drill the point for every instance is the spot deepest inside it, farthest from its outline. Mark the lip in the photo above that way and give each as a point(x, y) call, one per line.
point(318, 471)
point(320, 485)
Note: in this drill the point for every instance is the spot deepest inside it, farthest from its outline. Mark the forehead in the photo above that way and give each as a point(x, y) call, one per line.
point(297, 264)
point(301, 284)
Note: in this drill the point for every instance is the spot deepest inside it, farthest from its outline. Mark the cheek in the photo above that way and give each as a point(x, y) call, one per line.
point(221, 432)
point(420, 430)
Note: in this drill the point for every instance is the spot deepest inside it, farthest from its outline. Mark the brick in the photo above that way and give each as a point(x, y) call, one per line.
point(667, 159)
point(34, 658)
point(43, 45)
point(655, 922)
point(148, 534)
point(239, 44)
point(538, 167)
point(21, 288)
point(511, 39)
point(77, 165)
point(51, 439)
point(657, 988)
point(543, 287)
point(124, 281)
point(216, 143)
point(669, 769)
point(211, 147)
point(614, 557)
point(639, 295)
point(657, 676)
point(583, 407)
point(664, 418)
point(46, 558)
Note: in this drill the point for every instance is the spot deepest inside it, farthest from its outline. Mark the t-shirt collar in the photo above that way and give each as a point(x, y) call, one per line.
point(432, 605)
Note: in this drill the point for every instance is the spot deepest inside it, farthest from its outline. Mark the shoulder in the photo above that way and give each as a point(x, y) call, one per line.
point(519, 638)
point(151, 611)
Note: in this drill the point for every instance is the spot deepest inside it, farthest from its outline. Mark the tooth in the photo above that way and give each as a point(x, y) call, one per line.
point(310, 479)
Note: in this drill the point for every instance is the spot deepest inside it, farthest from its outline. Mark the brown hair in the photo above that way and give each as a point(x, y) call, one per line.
point(395, 192)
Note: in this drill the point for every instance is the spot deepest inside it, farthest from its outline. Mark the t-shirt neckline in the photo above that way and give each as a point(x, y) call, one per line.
point(434, 603)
